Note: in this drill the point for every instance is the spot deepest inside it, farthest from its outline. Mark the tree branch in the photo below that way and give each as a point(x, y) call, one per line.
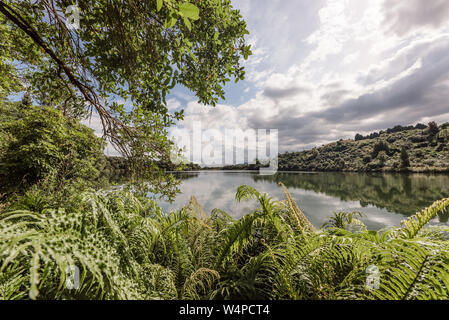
point(109, 123)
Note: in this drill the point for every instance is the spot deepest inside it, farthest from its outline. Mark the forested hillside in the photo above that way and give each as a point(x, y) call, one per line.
point(418, 149)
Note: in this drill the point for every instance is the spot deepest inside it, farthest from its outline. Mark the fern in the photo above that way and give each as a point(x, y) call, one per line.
point(200, 284)
point(128, 248)
point(303, 223)
point(414, 224)
point(236, 237)
point(246, 192)
point(60, 239)
point(414, 270)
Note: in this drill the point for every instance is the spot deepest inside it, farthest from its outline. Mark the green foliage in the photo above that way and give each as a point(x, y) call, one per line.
point(9, 42)
point(127, 248)
point(405, 161)
point(343, 219)
point(414, 224)
point(414, 270)
point(427, 151)
point(47, 242)
point(135, 52)
point(378, 147)
point(433, 128)
point(43, 147)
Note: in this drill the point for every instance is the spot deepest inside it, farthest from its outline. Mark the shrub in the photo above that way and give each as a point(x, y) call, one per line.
point(44, 145)
point(420, 126)
point(433, 128)
point(382, 156)
point(405, 161)
point(379, 146)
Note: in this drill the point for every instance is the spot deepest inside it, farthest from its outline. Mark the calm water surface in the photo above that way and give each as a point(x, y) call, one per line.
point(385, 199)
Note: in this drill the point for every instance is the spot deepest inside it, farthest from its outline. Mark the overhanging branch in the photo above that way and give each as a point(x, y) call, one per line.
point(109, 123)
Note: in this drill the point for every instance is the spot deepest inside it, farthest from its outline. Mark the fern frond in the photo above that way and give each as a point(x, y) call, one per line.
point(196, 208)
point(200, 284)
point(246, 193)
point(437, 233)
point(414, 270)
point(303, 222)
point(220, 219)
point(13, 282)
point(414, 224)
point(236, 237)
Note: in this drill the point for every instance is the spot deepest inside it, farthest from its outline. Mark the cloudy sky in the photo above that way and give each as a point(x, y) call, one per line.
point(323, 70)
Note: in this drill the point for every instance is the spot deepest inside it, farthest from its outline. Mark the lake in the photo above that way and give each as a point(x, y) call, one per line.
point(385, 199)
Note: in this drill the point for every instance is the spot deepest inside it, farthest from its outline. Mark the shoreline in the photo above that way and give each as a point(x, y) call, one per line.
point(444, 172)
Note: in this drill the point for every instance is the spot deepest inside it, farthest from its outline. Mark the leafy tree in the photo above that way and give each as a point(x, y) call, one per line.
point(135, 52)
point(374, 135)
point(358, 137)
point(43, 145)
point(378, 147)
point(382, 156)
point(405, 161)
point(420, 126)
point(9, 42)
point(433, 128)
point(26, 100)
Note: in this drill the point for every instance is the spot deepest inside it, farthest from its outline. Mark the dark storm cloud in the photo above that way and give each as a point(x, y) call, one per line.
point(402, 16)
point(274, 93)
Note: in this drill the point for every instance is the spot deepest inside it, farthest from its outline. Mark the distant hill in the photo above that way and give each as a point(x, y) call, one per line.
point(418, 149)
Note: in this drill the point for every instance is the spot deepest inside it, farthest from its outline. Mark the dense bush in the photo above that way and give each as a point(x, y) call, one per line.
point(405, 161)
point(433, 128)
point(42, 147)
point(395, 129)
point(378, 147)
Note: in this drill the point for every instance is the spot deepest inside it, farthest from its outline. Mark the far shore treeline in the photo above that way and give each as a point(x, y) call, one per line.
point(419, 148)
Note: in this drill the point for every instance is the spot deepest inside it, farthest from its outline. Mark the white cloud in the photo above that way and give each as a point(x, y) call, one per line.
point(173, 104)
point(325, 70)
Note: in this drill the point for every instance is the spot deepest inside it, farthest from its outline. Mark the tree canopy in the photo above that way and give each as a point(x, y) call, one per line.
point(129, 53)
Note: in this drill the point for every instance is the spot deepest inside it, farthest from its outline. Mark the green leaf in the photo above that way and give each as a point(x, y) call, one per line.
point(216, 36)
point(191, 54)
point(170, 22)
point(188, 24)
point(159, 5)
point(190, 11)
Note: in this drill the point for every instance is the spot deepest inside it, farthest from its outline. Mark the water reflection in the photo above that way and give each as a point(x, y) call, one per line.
point(386, 199)
point(400, 193)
